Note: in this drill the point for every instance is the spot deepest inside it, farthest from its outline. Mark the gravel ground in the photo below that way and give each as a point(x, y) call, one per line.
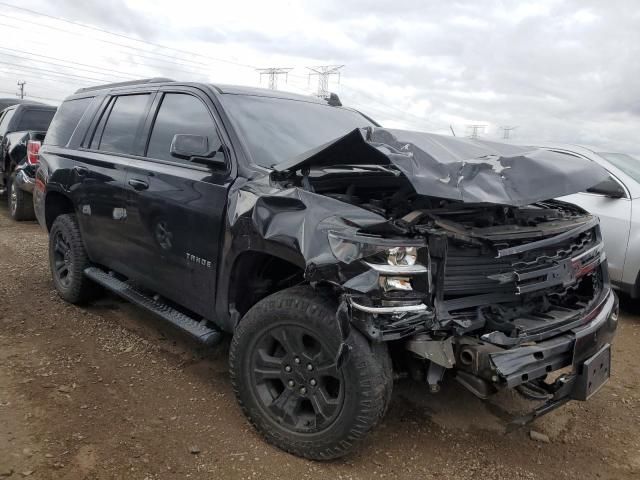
point(107, 392)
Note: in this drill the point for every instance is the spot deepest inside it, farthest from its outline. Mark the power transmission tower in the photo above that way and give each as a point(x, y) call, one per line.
point(21, 85)
point(475, 129)
point(507, 129)
point(324, 72)
point(272, 73)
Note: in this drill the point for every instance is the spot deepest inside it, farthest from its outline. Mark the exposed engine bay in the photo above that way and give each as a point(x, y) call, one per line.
point(475, 281)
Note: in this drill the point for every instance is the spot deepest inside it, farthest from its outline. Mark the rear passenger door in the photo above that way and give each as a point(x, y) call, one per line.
point(99, 178)
point(176, 207)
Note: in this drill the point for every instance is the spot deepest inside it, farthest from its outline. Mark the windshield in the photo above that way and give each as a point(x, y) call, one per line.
point(626, 163)
point(278, 129)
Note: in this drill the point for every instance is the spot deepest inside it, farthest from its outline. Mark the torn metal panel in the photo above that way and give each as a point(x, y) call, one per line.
point(460, 169)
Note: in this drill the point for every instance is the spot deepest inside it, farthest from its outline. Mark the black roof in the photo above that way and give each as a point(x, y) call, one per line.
point(9, 102)
point(265, 92)
point(224, 89)
point(125, 84)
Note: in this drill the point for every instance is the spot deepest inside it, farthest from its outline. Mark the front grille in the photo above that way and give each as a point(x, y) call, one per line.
point(472, 271)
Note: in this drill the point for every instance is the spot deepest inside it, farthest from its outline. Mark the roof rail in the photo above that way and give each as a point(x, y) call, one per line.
point(125, 84)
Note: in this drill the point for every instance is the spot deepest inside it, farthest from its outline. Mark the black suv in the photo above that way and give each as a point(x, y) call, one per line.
point(336, 252)
point(22, 128)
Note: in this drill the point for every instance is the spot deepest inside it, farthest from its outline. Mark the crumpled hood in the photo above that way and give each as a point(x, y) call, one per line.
point(459, 168)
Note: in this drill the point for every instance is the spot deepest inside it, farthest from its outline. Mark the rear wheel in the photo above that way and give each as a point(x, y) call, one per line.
point(20, 203)
point(68, 260)
point(291, 384)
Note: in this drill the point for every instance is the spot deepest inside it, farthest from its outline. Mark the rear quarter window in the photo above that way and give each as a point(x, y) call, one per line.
point(66, 120)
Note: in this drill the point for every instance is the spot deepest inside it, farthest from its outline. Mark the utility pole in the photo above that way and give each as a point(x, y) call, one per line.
point(507, 129)
point(475, 129)
point(272, 73)
point(21, 85)
point(324, 72)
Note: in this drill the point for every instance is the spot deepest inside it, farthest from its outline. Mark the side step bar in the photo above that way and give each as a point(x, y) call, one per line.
point(197, 330)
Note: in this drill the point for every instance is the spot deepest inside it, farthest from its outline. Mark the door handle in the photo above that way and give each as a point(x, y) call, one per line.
point(80, 171)
point(138, 184)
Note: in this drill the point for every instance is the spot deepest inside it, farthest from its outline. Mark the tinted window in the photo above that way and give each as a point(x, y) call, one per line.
point(121, 129)
point(278, 129)
point(66, 120)
point(33, 119)
point(180, 114)
point(5, 121)
point(628, 164)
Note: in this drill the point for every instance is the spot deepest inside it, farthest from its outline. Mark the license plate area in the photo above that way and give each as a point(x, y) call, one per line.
point(594, 374)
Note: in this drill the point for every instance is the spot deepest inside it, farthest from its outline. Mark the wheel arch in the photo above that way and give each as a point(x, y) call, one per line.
point(56, 204)
point(256, 274)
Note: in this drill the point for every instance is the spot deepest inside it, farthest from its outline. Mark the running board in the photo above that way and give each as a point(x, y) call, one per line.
point(197, 330)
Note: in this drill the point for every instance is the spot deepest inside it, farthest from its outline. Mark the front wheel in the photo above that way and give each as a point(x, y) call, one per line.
point(287, 378)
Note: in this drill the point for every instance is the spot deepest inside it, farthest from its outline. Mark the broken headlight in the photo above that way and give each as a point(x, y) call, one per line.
point(402, 256)
point(400, 252)
point(395, 260)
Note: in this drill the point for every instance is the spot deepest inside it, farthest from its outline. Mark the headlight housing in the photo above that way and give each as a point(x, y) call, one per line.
point(396, 252)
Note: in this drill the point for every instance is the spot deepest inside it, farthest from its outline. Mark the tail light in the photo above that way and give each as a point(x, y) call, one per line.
point(33, 152)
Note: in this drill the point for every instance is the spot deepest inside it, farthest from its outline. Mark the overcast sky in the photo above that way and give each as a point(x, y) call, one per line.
point(561, 71)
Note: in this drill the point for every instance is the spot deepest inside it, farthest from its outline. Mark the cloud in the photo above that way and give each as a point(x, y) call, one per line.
point(561, 70)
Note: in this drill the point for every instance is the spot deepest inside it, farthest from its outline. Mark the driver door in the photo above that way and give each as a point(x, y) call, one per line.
point(176, 207)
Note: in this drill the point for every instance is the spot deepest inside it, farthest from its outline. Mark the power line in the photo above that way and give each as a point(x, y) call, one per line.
point(51, 72)
point(404, 114)
point(43, 80)
point(60, 65)
point(33, 96)
point(475, 129)
point(507, 129)
point(21, 85)
point(67, 61)
point(272, 74)
point(324, 72)
point(68, 32)
point(33, 12)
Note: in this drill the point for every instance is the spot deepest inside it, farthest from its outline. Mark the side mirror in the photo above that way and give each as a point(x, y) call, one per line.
point(609, 188)
point(195, 148)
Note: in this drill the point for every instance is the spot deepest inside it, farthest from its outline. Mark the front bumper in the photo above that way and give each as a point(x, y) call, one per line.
point(583, 353)
point(522, 364)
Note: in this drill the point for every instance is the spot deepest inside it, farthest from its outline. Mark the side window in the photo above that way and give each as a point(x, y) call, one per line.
point(66, 120)
point(121, 129)
point(4, 124)
point(180, 113)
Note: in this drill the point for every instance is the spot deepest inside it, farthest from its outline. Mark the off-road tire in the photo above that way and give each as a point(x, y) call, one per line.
point(20, 203)
point(367, 374)
point(76, 288)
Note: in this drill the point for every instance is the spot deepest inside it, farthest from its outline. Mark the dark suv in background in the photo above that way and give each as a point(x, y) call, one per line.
point(22, 129)
point(333, 250)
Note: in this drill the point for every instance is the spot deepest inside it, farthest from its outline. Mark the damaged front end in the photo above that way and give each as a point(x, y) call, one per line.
point(450, 250)
point(499, 306)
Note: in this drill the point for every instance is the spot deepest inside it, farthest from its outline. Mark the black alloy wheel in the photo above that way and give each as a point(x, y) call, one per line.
point(295, 385)
point(296, 378)
point(68, 260)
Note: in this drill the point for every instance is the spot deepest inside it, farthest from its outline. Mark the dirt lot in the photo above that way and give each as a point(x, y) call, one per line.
point(107, 392)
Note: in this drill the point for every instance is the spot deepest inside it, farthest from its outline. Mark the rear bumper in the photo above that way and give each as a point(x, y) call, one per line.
point(23, 180)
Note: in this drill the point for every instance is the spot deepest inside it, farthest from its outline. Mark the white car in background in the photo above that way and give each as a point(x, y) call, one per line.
point(617, 202)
